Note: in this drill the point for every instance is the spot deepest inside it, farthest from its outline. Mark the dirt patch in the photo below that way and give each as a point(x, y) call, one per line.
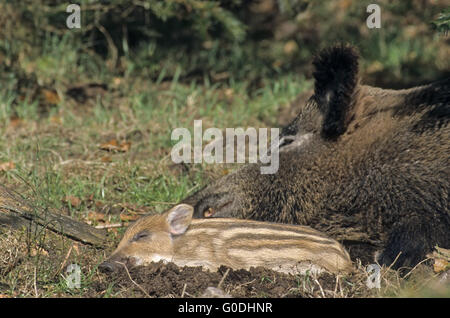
point(169, 280)
point(36, 266)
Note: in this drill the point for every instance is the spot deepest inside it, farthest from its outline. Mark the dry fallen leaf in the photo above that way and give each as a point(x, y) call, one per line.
point(15, 122)
point(5, 166)
point(440, 265)
point(99, 205)
point(114, 230)
point(95, 216)
point(50, 96)
point(128, 217)
point(110, 145)
point(56, 120)
point(125, 146)
point(132, 208)
point(38, 251)
point(73, 201)
point(290, 47)
point(113, 145)
point(229, 93)
point(441, 257)
point(76, 248)
point(344, 4)
point(117, 81)
point(106, 159)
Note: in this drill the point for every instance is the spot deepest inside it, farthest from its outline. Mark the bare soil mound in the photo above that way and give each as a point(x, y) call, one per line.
point(169, 280)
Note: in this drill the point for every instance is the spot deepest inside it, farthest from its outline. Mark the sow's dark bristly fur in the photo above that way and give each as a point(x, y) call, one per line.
point(368, 166)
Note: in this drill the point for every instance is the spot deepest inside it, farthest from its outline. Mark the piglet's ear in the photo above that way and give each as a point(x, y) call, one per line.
point(335, 87)
point(179, 218)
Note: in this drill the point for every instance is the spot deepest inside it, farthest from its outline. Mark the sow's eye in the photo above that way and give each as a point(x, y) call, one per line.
point(141, 235)
point(286, 140)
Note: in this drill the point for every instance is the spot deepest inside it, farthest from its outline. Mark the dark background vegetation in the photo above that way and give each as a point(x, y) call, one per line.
point(221, 40)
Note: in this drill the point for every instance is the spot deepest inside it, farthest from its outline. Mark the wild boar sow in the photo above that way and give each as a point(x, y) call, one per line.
point(240, 244)
point(360, 163)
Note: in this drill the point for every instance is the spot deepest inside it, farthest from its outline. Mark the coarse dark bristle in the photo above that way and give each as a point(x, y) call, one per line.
point(336, 77)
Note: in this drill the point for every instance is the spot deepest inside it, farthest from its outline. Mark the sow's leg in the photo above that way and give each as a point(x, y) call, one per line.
point(411, 240)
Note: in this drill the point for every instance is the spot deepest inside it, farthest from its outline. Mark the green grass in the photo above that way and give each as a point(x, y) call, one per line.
point(63, 158)
point(59, 158)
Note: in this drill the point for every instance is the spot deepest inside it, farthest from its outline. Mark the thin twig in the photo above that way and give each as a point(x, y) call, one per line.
point(392, 264)
point(65, 260)
point(35, 285)
point(223, 278)
point(184, 290)
point(321, 290)
point(340, 288)
point(415, 267)
point(336, 285)
point(129, 276)
point(245, 284)
point(113, 52)
point(110, 226)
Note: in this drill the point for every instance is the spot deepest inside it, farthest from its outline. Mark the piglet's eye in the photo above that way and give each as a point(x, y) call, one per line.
point(140, 236)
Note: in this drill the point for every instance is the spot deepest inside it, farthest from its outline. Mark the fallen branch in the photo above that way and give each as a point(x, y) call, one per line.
point(110, 226)
point(16, 212)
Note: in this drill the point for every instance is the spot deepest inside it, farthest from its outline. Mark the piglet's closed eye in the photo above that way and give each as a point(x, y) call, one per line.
point(141, 235)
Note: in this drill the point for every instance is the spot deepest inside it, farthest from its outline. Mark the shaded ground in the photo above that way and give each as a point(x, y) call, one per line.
point(169, 280)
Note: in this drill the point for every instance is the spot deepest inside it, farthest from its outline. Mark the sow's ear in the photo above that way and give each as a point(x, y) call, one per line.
point(179, 218)
point(335, 88)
